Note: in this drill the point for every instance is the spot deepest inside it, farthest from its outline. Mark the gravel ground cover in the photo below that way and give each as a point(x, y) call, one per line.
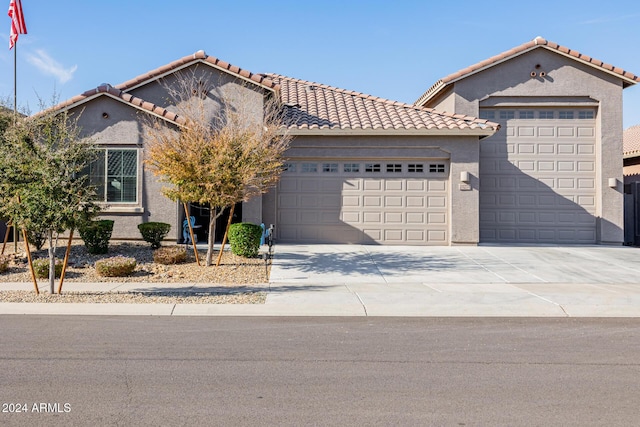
point(135, 298)
point(233, 274)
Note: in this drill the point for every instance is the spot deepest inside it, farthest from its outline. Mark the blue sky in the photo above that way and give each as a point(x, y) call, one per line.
point(394, 50)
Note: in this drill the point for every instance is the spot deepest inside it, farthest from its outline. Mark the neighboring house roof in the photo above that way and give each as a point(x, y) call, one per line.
point(631, 142)
point(199, 56)
point(318, 108)
point(106, 89)
point(539, 42)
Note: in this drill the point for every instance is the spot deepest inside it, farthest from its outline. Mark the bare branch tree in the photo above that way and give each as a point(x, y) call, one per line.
point(229, 149)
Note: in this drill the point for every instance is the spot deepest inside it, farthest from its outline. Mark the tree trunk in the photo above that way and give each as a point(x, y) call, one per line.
point(211, 240)
point(212, 234)
point(52, 263)
point(226, 232)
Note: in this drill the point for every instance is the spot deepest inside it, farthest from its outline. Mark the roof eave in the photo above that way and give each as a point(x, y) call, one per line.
point(125, 88)
point(437, 88)
point(400, 132)
point(89, 98)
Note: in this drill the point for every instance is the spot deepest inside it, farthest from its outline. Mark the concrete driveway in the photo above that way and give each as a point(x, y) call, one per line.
point(484, 280)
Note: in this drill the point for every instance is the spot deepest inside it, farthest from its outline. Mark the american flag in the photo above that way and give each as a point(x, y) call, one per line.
point(17, 22)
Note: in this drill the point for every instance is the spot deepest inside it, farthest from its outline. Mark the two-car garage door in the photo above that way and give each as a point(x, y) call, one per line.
point(393, 202)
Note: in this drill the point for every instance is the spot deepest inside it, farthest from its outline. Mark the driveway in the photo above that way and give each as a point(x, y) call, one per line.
point(312, 264)
point(481, 280)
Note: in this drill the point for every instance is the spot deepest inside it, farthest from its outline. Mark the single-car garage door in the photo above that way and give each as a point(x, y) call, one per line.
point(537, 176)
point(393, 202)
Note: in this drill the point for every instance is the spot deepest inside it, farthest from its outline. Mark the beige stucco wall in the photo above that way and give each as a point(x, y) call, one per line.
point(462, 151)
point(566, 81)
point(125, 127)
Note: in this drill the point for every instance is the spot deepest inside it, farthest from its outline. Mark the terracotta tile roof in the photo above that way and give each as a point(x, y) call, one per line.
point(313, 106)
point(108, 90)
point(196, 57)
point(538, 42)
point(631, 142)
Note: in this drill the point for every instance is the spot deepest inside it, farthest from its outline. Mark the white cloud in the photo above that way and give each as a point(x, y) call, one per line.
point(609, 19)
point(50, 66)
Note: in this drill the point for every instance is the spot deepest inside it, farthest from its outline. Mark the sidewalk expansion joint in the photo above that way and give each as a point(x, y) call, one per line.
point(364, 307)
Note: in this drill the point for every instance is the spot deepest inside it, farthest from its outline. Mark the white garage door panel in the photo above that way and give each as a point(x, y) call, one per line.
point(537, 182)
point(359, 207)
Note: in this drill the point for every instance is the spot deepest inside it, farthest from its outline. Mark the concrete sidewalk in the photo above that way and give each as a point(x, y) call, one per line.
point(353, 280)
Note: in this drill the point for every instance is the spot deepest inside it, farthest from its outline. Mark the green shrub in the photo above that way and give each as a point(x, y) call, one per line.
point(41, 268)
point(36, 239)
point(244, 238)
point(96, 235)
point(116, 266)
point(4, 263)
point(154, 232)
point(170, 255)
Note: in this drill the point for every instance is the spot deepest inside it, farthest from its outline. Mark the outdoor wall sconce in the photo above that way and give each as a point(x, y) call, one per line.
point(613, 182)
point(464, 177)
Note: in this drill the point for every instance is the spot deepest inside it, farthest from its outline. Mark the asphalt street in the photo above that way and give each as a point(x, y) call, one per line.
point(119, 370)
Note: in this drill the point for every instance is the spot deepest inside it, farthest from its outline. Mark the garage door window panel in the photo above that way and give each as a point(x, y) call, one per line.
point(372, 167)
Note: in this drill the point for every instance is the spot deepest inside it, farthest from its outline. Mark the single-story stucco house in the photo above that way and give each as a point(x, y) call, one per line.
point(523, 147)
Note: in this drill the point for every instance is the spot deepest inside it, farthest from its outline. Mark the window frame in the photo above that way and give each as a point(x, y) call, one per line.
point(105, 176)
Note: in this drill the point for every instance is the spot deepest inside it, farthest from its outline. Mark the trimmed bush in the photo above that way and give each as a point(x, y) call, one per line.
point(244, 238)
point(96, 235)
point(154, 232)
point(4, 263)
point(116, 266)
point(36, 239)
point(41, 268)
point(170, 255)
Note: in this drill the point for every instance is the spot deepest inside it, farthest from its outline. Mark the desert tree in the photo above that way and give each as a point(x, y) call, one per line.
point(42, 184)
point(228, 149)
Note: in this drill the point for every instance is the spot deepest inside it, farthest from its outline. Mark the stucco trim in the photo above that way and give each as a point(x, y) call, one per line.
point(123, 209)
point(507, 101)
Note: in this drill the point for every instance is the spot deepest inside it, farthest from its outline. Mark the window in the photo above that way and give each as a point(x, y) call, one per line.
point(351, 167)
point(417, 167)
point(114, 173)
point(289, 167)
point(436, 168)
point(309, 167)
point(330, 167)
point(545, 115)
point(566, 115)
point(394, 167)
point(585, 115)
point(526, 114)
point(507, 114)
point(372, 167)
point(487, 114)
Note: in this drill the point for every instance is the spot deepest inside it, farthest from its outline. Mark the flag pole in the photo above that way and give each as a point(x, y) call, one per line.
point(15, 83)
point(15, 121)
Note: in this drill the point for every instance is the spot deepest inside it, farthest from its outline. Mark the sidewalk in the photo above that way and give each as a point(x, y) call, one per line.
point(380, 281)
